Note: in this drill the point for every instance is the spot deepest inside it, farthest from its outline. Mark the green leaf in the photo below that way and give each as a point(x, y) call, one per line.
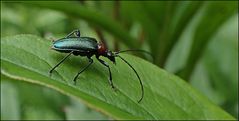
point(162, 21)
point(40, 100)
point(28, 58)
point(223, 69)
point(130, 11)
point(184, 12)
point(214, 15)
point(78, 111)
point(39, 113)
point(10, 107)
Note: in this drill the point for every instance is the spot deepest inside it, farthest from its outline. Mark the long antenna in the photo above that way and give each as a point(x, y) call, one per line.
point(135, 50)
point(141, 84)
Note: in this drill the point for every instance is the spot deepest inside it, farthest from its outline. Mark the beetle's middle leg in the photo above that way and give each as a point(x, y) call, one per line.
point(105, 64)
point(90, 62)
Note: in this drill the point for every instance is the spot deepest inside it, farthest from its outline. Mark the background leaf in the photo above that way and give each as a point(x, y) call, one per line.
point(214, 15)
point(78, 111)
point(96, 18)
point(10, 107)
point(166, 96)
point(221, 72)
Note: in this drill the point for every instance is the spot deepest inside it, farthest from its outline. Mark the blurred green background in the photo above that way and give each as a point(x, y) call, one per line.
point(197, 41)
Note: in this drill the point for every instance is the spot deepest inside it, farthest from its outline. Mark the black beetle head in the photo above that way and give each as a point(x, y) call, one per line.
point(110, 55)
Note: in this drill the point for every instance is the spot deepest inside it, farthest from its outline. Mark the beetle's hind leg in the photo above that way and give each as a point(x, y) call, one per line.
point(75, 32)
point(90, 62)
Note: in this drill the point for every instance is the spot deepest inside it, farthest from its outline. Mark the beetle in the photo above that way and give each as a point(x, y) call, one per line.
point(74, 44)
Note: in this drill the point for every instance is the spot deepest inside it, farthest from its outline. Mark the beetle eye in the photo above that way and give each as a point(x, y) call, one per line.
point(109, 53)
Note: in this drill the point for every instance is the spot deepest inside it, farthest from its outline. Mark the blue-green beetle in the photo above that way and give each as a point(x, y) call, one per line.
point(87, 46)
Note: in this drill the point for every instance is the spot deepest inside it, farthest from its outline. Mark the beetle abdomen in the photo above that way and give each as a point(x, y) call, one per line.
point(81, 44)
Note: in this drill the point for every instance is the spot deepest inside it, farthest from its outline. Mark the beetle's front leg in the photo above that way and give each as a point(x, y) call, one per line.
point(105, 64)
